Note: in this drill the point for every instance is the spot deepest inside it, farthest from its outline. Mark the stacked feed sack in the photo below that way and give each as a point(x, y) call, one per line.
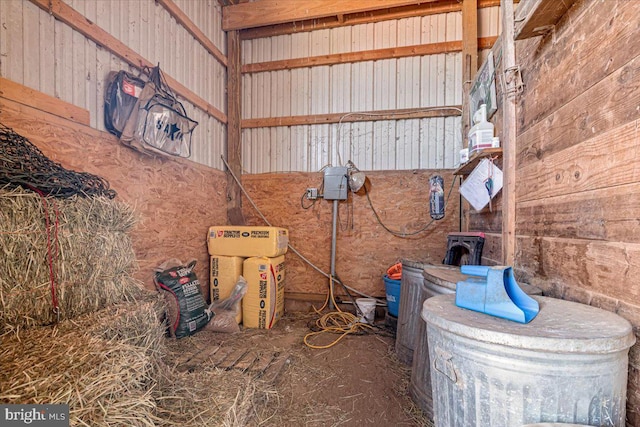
point(260, 253)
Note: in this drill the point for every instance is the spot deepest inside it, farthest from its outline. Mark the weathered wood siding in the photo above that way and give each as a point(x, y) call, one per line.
point(577, 173)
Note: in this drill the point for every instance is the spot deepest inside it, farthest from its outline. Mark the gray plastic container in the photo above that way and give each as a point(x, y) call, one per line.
point(415, 287)
point(440, 280)
point(567, 365)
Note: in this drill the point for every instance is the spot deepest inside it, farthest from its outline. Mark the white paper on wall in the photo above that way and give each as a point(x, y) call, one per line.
point(474, 189)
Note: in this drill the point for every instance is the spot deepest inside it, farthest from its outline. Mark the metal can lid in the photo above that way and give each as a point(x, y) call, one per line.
point(560, 326)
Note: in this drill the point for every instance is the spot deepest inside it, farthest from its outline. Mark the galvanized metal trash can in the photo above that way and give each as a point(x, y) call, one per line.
point(415, 287)
point(569, 365)
point(440, 280)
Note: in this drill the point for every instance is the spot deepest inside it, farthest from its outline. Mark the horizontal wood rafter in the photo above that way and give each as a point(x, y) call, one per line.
point(193, 29)
point(368, 55)
point(269, 12)
point(410, 11)
point(65, 13)
point(361, 116)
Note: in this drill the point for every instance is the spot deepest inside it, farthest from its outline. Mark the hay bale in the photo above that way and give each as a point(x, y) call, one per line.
point(105, 382)
point(108, 366)
point(94, 263)
point(139, 323)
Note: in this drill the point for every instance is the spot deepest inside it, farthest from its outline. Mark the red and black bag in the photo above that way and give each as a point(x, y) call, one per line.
point(121, 96)
point(187, 309)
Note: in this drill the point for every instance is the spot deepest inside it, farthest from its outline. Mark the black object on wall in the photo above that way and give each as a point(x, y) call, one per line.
point(464, 248)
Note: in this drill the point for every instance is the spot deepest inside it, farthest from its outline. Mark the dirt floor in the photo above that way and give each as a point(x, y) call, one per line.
point(358, 381)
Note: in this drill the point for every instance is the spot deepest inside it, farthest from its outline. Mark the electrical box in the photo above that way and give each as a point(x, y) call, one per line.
point(335, 183)
point(312, 193)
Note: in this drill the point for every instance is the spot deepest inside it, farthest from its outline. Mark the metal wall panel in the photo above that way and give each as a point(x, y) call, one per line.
point(489, 22)
point(416, 82)
point(47, 55)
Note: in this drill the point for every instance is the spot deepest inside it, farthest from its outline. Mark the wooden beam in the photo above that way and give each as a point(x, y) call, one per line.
point(537, 17)
point(234, 141)
point(87, 28)
point(368, 55)
point(25, 95)
point(182, 19)
point(269, 12)
point(410, 11)
point(342, 58)
point(469, 70)
point(508, 139)
point(362, 116)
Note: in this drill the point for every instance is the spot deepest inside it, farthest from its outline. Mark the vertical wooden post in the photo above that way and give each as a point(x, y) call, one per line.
point(508, 138)
point(234, 147)
point(469, 70)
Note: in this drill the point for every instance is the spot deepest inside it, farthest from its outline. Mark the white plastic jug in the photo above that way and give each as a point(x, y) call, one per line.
point(481, 133)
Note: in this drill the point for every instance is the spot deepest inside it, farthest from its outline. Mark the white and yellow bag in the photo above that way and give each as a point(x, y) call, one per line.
point(223, 275)
point(263, 304)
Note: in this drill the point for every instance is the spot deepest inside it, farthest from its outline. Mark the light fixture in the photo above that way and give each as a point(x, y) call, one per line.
point(356, 181)
point(356, 177)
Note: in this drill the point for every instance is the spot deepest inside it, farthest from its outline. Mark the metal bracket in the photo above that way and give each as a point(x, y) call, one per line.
point(513, 81)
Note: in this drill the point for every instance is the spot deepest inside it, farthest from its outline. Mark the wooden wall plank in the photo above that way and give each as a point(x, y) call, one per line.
point(27, 96)
point(79, 23)
point(608, 214)
point(592, 164)
point(554, 78)
point(577, 263)
point(608, 104)
point(361, 116)
point(184, 20)
point(157, 187)
point(485, 220)
point(269, 12)
point(578, 182)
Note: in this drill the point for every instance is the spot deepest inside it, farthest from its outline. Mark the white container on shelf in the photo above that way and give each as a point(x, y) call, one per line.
point(481, 133)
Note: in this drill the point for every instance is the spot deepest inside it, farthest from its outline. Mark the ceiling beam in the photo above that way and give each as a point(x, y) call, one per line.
point(269, 12)
point(409, 11)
